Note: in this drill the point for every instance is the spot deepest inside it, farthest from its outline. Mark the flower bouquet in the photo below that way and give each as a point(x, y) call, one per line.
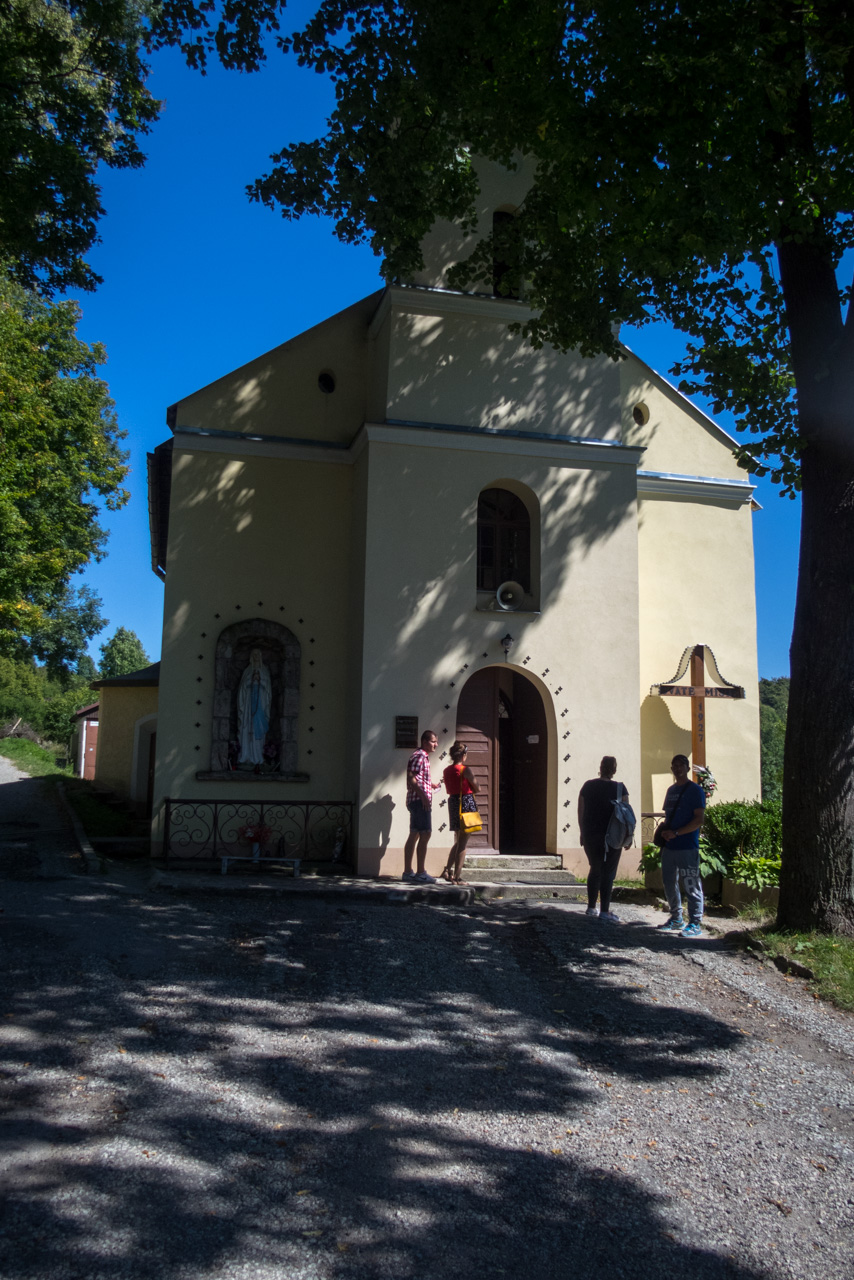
point(706, 779)
point(256, 834)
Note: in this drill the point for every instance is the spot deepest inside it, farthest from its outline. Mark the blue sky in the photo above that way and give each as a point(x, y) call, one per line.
point(197, 281)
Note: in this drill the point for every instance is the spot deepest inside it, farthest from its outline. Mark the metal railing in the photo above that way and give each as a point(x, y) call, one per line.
point(649, 821)
point(314, 830)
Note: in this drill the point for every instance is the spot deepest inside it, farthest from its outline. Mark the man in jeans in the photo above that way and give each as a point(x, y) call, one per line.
point(684, 807)
point(419, 802)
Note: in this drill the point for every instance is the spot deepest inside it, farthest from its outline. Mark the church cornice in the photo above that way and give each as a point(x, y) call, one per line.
point(241, 443)
point(421, 298)
point(567, 450)
point(666, 484)
point(564, 450)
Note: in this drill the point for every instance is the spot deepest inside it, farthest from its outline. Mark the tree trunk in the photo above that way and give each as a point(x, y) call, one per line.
point(817, 879)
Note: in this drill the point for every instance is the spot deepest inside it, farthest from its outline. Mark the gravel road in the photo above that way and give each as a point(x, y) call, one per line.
point(216, 1088)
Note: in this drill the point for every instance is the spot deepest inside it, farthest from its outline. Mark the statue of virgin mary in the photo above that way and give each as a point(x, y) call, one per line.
point(254, 696)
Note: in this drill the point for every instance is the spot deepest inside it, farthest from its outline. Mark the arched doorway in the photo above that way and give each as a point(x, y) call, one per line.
point(502, 718)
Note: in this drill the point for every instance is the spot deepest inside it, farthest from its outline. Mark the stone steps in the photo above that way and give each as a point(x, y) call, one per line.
point(527, 870)
point(522, 862)
point(496, 875)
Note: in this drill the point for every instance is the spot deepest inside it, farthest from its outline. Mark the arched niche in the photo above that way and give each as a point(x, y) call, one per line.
point(280, 654)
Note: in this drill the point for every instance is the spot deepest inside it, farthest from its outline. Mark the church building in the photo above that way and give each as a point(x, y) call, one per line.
point(408, 518)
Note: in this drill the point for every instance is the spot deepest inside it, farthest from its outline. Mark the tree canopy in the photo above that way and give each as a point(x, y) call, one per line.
point(123, 652)
point(31, 697)
point(72, 96)
point(689, 160)
point(673, 148)
point(59, 640)
point(59, 447)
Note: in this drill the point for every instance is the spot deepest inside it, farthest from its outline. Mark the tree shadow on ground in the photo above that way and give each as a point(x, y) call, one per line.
point(218, 1088)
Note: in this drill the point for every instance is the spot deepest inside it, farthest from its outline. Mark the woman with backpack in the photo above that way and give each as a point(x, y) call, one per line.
point(595, 809)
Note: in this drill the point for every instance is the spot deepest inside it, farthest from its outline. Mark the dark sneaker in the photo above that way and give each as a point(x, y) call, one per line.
point(423, 878)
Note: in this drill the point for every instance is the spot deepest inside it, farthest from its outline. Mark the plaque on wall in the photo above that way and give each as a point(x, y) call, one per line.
point(406, 732)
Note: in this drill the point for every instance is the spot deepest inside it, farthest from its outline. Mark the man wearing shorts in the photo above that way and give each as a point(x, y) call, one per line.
point(419, 802)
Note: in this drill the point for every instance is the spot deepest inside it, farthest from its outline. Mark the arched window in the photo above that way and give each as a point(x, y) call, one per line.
point(503, 540)
point(505, 283)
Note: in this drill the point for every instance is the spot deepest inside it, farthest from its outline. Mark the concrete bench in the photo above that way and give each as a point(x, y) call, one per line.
point(258, 859)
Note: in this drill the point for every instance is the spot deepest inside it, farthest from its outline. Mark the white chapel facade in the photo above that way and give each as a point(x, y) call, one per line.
point(344, 511)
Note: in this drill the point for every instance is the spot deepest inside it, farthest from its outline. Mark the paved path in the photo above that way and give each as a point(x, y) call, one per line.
point(216, 1088)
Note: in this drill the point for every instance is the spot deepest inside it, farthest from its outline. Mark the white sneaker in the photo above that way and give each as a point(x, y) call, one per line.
point(592, 911)
point(408, 875)
point(423, 878)
point(610, 917)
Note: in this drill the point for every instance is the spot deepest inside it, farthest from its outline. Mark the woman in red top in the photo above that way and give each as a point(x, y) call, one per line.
point(461, 788)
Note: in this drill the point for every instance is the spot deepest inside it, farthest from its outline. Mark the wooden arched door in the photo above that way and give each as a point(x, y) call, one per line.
point(502, 719)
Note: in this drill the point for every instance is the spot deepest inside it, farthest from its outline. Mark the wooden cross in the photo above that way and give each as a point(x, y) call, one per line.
point(698, 691)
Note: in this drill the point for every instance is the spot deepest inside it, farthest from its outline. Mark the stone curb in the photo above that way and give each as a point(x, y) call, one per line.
point(91, 859)
point(386, 891)
point(786, 964)
point(340, 890)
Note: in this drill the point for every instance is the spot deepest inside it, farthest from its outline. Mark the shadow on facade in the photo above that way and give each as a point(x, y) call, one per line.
point(662, 739)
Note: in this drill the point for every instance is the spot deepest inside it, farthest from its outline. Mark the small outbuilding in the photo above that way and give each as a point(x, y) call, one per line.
point(83, 745)
point(127, 735)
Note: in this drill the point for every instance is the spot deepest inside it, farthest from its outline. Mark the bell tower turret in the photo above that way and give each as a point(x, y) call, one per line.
point(502, 191)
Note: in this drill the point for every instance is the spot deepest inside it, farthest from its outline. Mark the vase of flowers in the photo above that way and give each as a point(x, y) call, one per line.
point(256, 835)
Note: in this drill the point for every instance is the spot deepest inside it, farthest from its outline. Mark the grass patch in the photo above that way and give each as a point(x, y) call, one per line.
point(756, 911)
point(830, 958)
point(629, 882)
point(37, 761)
point(98, 818)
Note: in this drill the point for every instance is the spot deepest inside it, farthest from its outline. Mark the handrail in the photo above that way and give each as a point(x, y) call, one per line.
point(314, 830)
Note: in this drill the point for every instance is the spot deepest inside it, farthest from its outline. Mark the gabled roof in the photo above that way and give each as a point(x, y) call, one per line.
point(85, 712)
point(148, 676)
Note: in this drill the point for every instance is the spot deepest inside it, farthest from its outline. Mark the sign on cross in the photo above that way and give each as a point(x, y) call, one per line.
point(697, 691)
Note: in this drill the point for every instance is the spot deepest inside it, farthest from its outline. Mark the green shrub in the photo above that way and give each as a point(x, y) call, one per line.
point(711, 862)
point(741, 828)
point(755, 871)
point(650, 859)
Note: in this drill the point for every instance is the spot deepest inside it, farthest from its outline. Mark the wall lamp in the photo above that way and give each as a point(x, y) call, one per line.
point(507, 643)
